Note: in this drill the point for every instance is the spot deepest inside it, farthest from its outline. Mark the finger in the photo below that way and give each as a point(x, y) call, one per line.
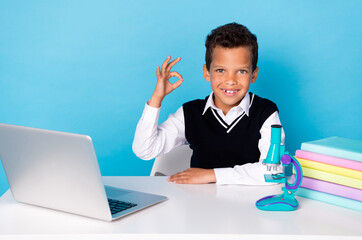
point(179, 181)
point(182, 180)
point(178, 83)
point(171, 64)
point(172, 178)
point(164, 64)
point(176, 74)
point(177, 176)
point(158, 73)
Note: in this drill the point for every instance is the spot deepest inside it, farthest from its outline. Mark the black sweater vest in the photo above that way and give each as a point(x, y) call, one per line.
point(216, 144)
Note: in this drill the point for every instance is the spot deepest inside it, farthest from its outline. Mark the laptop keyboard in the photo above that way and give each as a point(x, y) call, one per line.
point(119, 206)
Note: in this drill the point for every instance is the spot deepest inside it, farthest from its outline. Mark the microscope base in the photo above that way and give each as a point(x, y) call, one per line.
point(277, 203)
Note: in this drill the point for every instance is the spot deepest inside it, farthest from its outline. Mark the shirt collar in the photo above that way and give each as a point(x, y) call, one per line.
point(243, 105)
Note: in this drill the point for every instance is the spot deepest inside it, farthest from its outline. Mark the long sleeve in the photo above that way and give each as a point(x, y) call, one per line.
point(252, 173)
point(151, 140)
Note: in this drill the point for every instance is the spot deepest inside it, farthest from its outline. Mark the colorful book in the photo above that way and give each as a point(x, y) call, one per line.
point(332, 188)
point(329, 198)
point(336, 147)
point(330, 168)
point(331, 177)
point(341, 162)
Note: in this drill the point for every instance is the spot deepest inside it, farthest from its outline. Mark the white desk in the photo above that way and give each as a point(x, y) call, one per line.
point(199, 211)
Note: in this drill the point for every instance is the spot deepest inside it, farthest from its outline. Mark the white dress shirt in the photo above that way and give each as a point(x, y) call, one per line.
point(152, 140)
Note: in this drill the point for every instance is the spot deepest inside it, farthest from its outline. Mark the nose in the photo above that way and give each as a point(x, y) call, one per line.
point(231, 79)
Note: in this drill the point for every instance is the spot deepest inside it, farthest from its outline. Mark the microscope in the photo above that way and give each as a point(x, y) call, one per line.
point(276, 156)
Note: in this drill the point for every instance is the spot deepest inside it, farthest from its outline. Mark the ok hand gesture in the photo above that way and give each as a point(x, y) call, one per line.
point(164, 86)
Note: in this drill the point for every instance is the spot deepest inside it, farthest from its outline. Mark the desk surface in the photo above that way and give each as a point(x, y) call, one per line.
point(190, 209)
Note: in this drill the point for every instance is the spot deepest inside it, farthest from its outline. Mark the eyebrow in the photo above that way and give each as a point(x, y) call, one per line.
point(220, 66)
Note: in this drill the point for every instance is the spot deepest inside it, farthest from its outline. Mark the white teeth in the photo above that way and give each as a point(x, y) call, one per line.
point(229, 91)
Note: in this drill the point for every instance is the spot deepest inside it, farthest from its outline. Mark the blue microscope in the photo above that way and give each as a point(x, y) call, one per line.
point(277, 155)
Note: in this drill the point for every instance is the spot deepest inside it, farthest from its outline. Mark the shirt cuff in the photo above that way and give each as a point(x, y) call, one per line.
point(223, 175)
point(247, 174)
point(150, 114)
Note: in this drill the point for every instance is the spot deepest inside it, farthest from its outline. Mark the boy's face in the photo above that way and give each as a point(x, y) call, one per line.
point(230, 76)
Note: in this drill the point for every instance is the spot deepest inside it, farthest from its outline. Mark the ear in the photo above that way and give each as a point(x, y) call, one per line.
point(255, 75)
point(206, 73)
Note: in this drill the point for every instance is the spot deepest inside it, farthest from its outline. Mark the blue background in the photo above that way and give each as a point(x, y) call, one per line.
point(89, 66)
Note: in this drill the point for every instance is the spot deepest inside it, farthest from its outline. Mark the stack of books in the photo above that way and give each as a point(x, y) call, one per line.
point(332, 171)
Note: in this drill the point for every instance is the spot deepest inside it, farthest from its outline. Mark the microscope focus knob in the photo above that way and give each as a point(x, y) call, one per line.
point(286, 159)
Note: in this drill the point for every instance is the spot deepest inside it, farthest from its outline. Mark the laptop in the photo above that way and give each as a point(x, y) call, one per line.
point(60, 171)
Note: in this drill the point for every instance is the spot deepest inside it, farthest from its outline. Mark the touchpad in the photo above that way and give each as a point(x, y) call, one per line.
point(116, 192)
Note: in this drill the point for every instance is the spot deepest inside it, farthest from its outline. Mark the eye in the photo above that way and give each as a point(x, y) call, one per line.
point(220, 70)
point(243, 71)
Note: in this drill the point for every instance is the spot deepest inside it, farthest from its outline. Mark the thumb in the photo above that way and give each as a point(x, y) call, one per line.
point(177, 84)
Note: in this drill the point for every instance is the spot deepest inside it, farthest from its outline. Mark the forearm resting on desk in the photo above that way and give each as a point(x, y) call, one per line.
point(194, 176)
point(246, 174)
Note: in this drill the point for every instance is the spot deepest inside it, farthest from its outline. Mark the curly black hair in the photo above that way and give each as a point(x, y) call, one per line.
point(229, 36)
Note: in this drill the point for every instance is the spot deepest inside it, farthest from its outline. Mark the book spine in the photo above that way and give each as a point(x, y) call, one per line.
point(332, 188)
point(331, 199)
point(331, 177)
point(332, 151)
point(341, 162)
point(330, 168)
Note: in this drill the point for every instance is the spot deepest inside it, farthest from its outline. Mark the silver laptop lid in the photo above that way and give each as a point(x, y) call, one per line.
point(54, 170)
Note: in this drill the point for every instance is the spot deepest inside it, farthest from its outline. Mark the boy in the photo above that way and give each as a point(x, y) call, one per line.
point(229, 131)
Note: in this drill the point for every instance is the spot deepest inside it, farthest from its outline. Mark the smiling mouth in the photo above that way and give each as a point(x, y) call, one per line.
point(230, 92)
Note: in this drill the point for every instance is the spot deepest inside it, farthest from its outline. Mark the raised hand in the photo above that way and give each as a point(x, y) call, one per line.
point(164, 86)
